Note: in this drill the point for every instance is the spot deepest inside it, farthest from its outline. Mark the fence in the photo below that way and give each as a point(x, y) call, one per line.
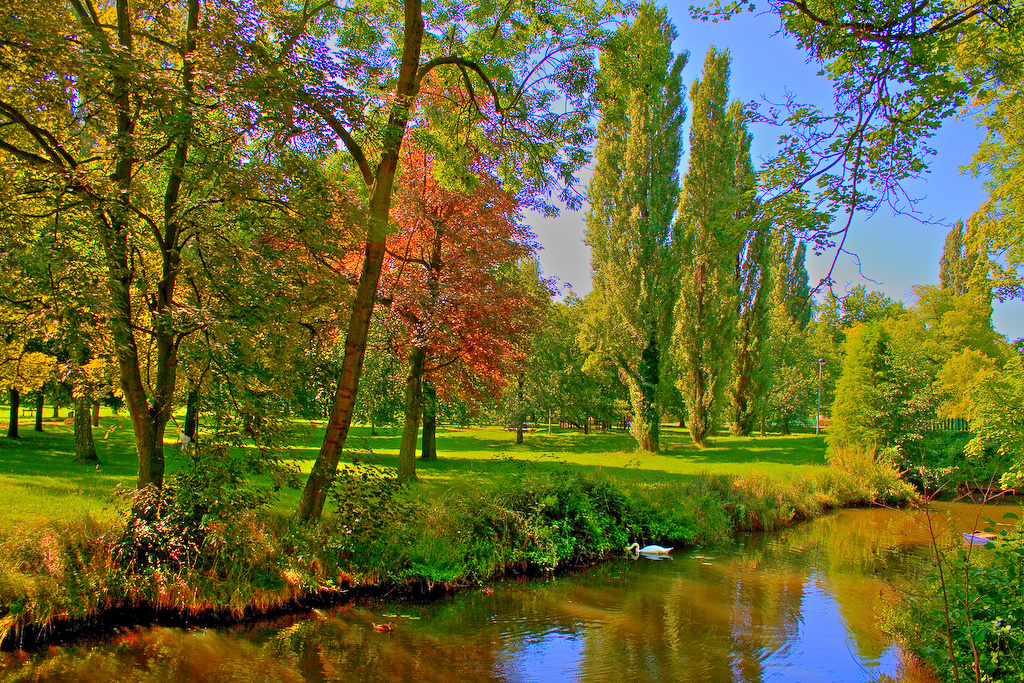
point(950, 424)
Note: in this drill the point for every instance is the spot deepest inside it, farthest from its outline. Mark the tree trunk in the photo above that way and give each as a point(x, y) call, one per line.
point(113, 220)
point(642, 389)
point(56, 411)
point(519, 422)
point(762, 426)
point(413, 408)
point(191, 426)
point(39, 411)
point(700, 421)
point(742, 415)
point(586, 425)
point(85, 448)
point(95, 413)
point(784, 427)
point(12, 425)
point(428, 447)
point(311, 504)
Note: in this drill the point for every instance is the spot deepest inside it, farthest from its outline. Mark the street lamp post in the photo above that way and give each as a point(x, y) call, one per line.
point(817, 416)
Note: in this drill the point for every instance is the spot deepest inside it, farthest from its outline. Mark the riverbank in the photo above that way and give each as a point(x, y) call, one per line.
point(196, 561)
point(796, 604)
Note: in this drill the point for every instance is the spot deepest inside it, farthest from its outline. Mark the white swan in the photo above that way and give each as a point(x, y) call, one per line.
point(649, 549)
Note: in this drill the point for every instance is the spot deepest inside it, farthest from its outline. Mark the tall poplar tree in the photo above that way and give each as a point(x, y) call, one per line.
point(633, 197)
point(751, 374)
point(710, 238)
point(958, 260)
point(792, 295)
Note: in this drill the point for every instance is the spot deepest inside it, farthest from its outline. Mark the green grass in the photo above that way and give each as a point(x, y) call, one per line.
point(488, 453)
point(40, 482)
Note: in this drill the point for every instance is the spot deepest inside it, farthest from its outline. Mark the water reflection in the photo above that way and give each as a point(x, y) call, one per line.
point(800, 605)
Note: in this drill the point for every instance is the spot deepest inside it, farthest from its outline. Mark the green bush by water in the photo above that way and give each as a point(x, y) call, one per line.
point(940, 462)
point(967, 622)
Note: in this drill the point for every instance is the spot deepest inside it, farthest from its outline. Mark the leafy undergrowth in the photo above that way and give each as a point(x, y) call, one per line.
point(966, 619)
point(189, 554)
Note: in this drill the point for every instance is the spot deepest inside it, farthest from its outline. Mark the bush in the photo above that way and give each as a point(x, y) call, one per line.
point(877, 470)
point(941, 462)
point(980, 596)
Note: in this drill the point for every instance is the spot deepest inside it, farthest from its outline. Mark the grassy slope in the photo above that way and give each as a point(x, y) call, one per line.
point(39, 480)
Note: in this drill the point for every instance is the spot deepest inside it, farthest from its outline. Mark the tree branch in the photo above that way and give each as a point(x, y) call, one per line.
point(339, 129)
point(463, 63)
point(43, 138)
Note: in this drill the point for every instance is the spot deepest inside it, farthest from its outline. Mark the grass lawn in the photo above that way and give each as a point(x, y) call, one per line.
point(40, 482)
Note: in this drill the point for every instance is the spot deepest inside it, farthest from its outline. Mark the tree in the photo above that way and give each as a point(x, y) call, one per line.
point(380, 390)
point(522, 395)
point(862, 306)
point(130, 121)
point(556, 383)
point(526, 58)
point(794, 364)
point(751, 373)
point(833, 319)
point(455, 278)
point(961, 343)
point(792, 294)
point(958, 261)
point(883, 397)
point(85, 448)
point(51, 270)
point(263, 337)
point(22, 371)
point(858, 414)
point(899, 69)
point(993, 402)
point(633, 198)
point(709, 242)
point(994, 229)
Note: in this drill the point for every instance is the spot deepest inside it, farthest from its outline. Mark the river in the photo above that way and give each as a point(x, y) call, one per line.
point(800, 606)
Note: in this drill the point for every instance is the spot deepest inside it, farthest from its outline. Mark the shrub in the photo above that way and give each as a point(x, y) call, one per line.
point(876, 469)
point(973, 607)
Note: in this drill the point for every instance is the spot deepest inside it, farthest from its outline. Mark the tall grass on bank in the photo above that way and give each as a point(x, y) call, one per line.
point(192, 557)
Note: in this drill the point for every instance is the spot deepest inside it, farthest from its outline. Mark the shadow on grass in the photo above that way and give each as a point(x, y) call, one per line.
point(38, 471)
point(799, 449)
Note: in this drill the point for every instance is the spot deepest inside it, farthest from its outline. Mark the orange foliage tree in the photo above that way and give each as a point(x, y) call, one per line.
point(451, 278)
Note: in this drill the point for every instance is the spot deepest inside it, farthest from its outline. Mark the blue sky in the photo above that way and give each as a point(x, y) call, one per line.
point(895, 252)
